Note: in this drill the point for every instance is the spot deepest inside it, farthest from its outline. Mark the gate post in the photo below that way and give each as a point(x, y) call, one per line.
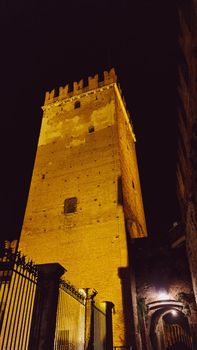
point(109, 330)
point(45, 307)
point(89, 318)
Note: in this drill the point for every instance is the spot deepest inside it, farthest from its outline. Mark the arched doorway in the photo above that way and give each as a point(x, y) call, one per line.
point(168, 326)
point(176, 331)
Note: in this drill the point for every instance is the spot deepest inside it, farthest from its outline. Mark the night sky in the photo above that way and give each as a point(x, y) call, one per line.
point(46, 44)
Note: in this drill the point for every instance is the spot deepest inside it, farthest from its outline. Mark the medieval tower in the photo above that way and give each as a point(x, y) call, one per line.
point(85, 199)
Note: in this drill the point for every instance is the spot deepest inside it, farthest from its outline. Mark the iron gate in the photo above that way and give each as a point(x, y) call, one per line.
point(17, 292)
point(70, 319)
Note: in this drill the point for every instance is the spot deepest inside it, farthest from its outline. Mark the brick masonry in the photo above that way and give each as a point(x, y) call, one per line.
point(86, 150)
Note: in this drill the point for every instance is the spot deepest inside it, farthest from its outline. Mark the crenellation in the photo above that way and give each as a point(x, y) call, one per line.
point(52, 94)
point(110, 77)
point(79, 87)
point(47, 97)
point(93, 82)
point(63, 91)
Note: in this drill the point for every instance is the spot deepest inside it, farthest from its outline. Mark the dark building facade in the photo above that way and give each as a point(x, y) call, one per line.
point(166, 303)
point(187, 106)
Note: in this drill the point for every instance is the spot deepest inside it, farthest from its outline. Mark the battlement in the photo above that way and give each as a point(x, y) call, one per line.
point(78, 87)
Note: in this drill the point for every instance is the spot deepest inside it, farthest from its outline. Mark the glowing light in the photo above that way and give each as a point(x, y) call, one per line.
point(82, 292)
point(174, 313)
point(163, 295)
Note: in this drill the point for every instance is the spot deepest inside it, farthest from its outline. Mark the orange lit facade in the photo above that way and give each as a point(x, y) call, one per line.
point(85, 199)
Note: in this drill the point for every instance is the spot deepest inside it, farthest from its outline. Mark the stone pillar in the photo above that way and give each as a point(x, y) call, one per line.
point(45, 307)
point(89, 318)
point(130, 311)
point(109, 328)
point(137, 344)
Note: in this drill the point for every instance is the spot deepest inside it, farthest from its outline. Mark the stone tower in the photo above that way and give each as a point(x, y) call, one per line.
point(85, 200)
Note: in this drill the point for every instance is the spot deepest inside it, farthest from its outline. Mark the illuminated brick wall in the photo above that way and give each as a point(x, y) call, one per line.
point(80, 160)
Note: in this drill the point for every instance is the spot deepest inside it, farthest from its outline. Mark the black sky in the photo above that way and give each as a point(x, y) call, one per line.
point(45, 44)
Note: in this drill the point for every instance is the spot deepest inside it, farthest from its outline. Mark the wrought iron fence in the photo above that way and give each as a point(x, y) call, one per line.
point(17, 291)
point(70, 319)
point(25, 288)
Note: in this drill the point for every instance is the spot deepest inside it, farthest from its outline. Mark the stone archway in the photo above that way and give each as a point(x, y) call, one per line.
point(168, 327)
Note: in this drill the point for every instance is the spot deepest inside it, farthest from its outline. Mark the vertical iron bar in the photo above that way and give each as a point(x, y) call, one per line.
point(4, 294)
point(59, 321)
point(9, 260)
point(26, 318)
point(61, 333)
point(32, 302)
point(22, 301)
point(15, 308)
point(9, 298)
point(15, 318)
point(17, 291)
point(57, 325)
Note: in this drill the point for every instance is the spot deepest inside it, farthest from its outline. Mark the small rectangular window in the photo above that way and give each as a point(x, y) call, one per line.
point(77, 104)
point(91, 129)
point(70, 205)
